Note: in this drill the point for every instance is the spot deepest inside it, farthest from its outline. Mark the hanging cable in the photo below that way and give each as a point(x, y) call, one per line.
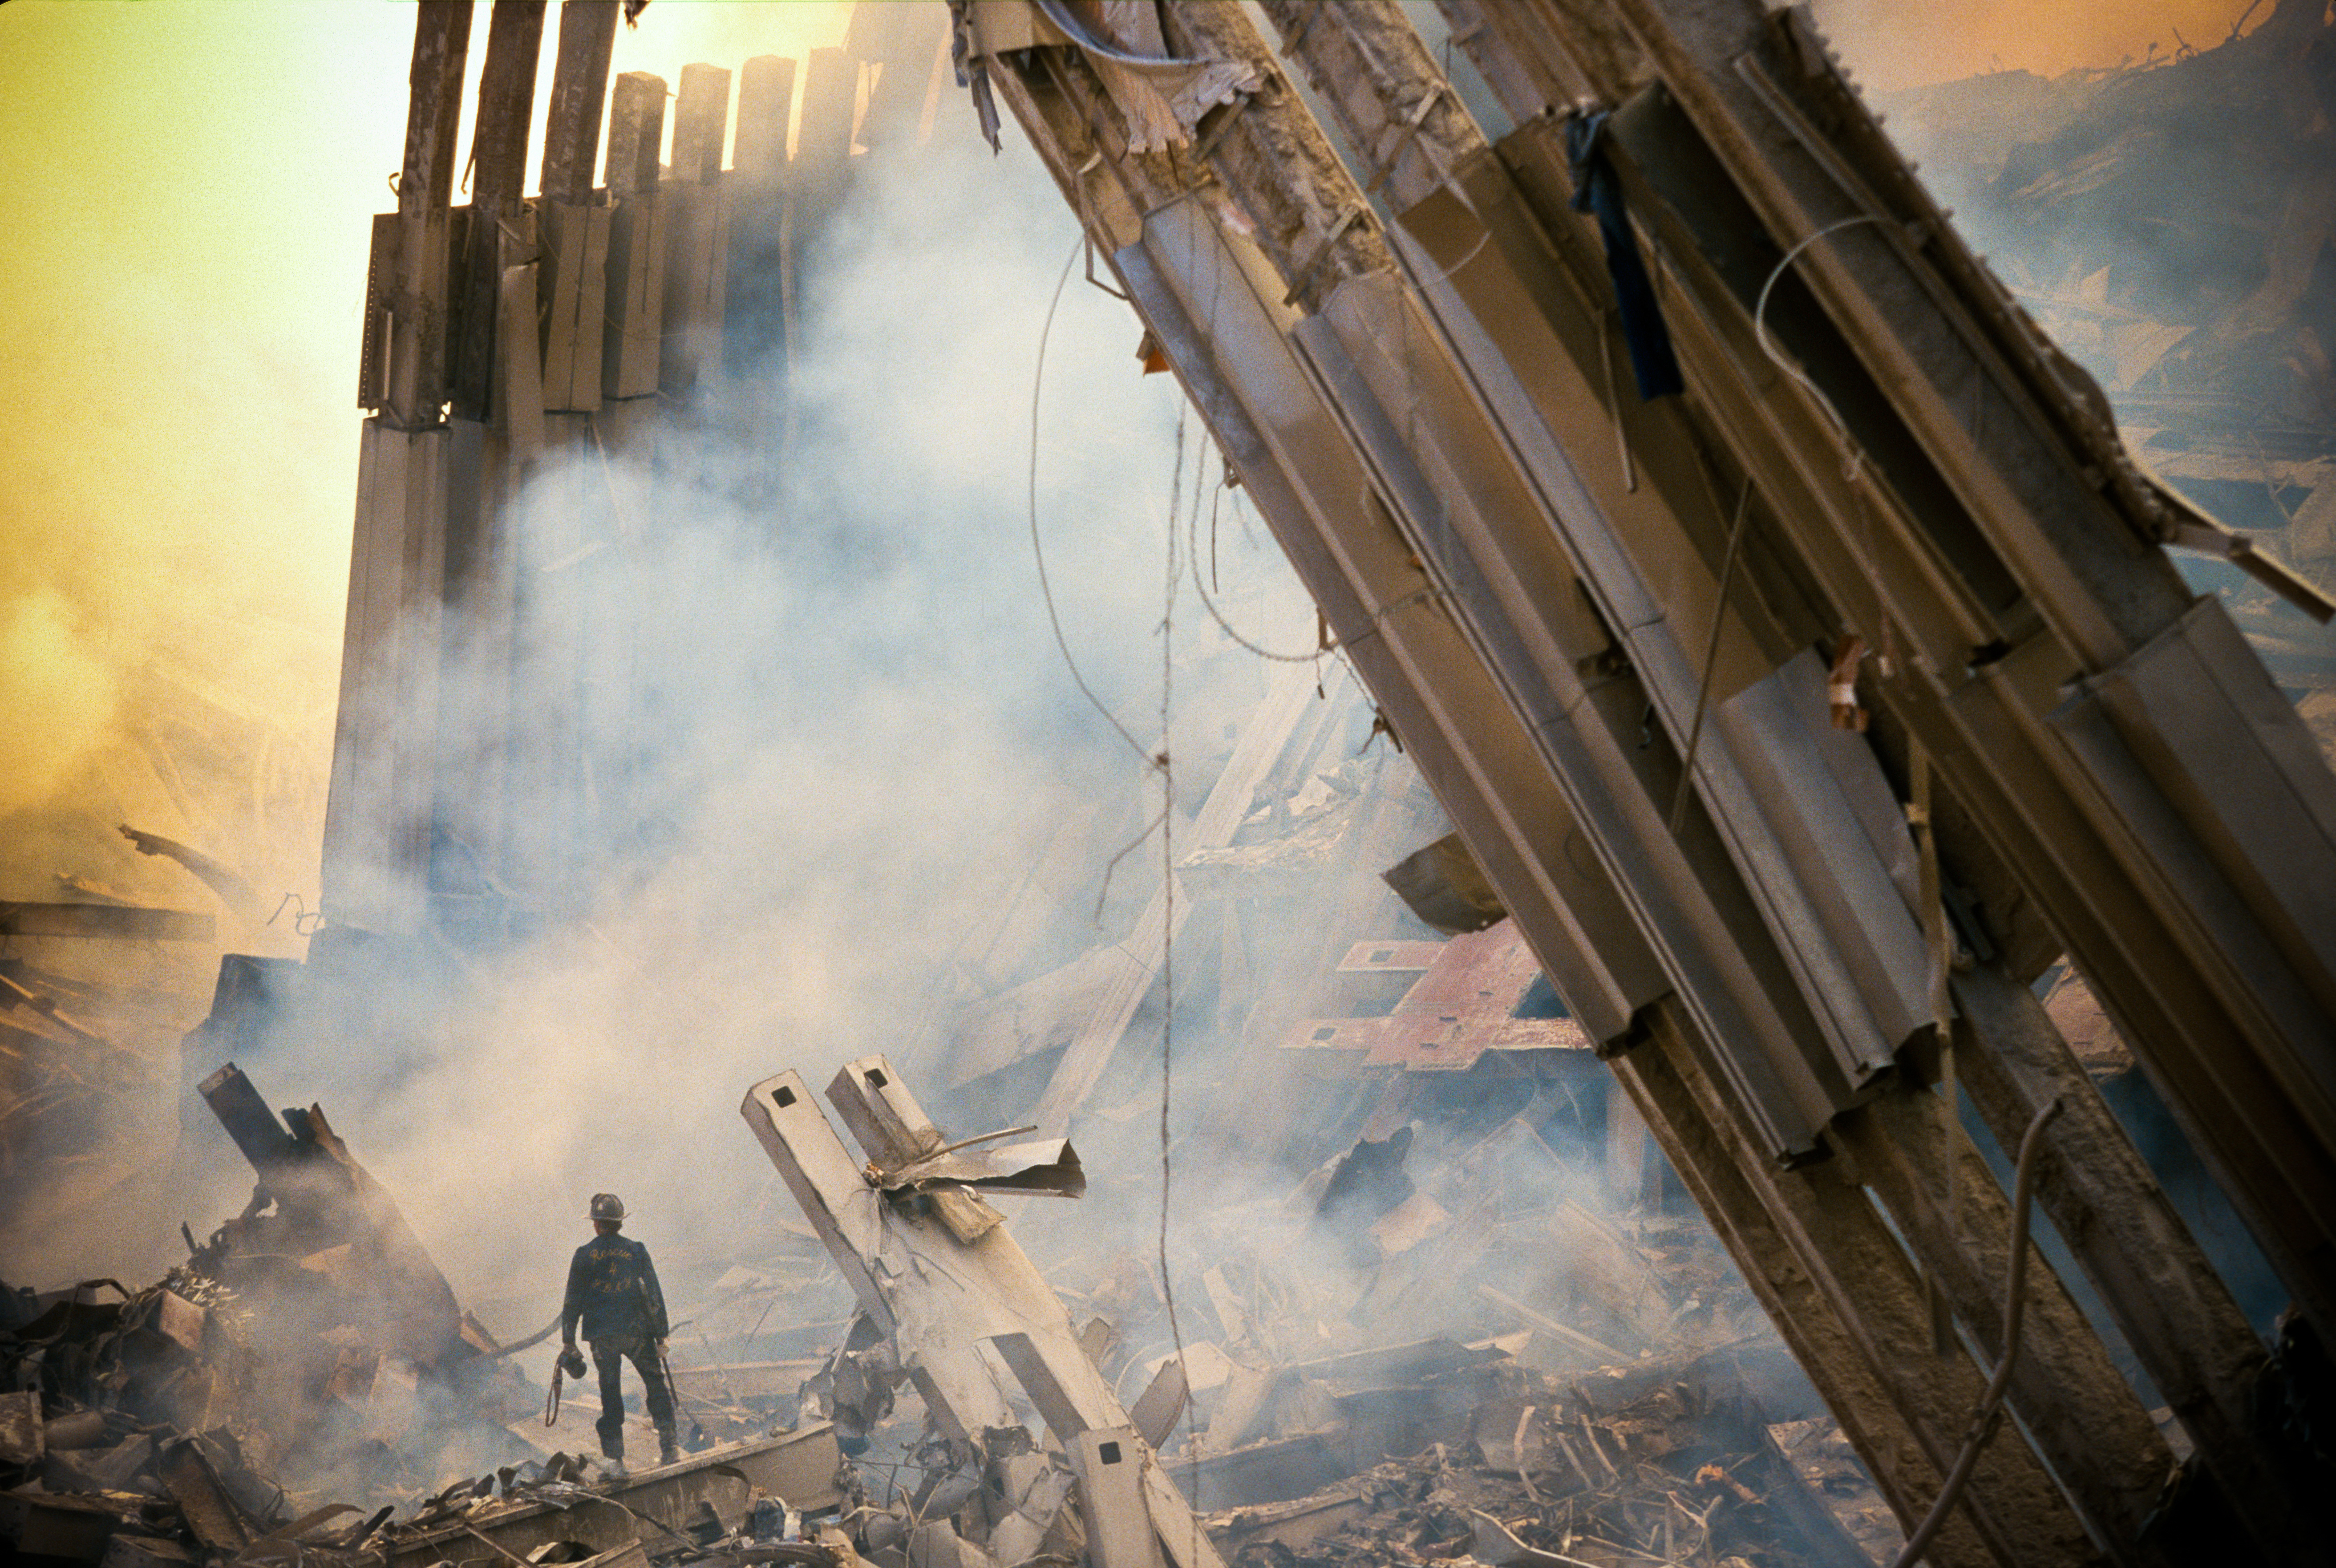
point(1710, 657)
point(1991, 1404)
point(1037, 551)
point(1856, 458)
point(1194, 554)
point(1216, 497)
point(1112, 865)
point(1165, 763)
point(1853, 455)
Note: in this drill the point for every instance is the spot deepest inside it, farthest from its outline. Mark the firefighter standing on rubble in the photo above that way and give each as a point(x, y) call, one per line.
point(612, 1288)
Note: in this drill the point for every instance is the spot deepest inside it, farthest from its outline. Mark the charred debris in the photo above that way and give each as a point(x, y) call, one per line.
point(300, 1389)
point(1436, 1337)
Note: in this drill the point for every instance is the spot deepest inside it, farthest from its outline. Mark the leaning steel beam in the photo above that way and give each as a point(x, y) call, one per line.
point(1210, 296)
point(2174, 1312)
point(1773, 907)
point(1909, 1149)
point(1870, 1382)
point(2117, 1487)
point(2112, 737)
point(2119, 1226)
point(1665, 1086)
point(2153, 1281)
point(2097, 1436)
point(1864, 1329)
point(1400, 121)
point(1405, 126)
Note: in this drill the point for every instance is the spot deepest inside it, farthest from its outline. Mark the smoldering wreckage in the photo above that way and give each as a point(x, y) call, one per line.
point(1439, 1343)
point(309, 1350)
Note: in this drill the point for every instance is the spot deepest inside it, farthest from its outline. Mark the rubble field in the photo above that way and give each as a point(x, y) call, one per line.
point(304, 1387)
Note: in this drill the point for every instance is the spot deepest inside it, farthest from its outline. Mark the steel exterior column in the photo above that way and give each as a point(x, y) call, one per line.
point(1067, 119)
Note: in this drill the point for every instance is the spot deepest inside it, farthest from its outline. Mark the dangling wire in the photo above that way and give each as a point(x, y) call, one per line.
point(1165, 763)
point(1215, 496)
point(1854, 458)
point(1037, 550)
point(1112, 866)
point(1984, 1417)
point(1710, 659)
point(1210, 604)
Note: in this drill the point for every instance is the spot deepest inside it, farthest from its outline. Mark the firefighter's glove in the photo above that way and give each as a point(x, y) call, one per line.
point(571, 1362)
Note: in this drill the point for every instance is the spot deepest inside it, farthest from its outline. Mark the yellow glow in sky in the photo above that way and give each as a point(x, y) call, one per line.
point(1893, 44)
point(186, 191)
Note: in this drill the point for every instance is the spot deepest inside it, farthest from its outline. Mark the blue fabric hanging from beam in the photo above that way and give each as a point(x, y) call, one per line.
point(1597, 189)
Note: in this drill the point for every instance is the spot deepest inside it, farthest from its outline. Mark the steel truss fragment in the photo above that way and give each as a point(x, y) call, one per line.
point(1568, 600)
point(936, 1270)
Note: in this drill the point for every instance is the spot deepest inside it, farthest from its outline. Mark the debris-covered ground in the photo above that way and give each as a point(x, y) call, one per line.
point(306, 1388)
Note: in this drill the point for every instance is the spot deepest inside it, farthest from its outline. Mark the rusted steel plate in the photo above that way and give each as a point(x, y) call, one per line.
point(1337, 1034)
point(1486, 970)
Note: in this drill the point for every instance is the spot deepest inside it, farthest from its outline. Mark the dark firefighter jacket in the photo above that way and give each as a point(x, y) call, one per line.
point(612, 1286)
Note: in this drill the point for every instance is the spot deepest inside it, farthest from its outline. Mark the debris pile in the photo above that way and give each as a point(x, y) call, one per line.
point(774, 1499)
point(1286, 1413)
point(1432, 1336)
point(146, 1441)
point(95, 995)
point(1686, 1471)
point(309, 1349)
point(1305, 1437)
point(67, 1083)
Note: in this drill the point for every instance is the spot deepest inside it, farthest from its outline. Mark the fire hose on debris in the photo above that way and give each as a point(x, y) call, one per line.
point(570, 1364)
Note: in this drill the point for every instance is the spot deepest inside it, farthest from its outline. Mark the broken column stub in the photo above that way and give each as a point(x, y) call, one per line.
point(919, 1276)
point(837, 1200)
point(968, 1312)
point(325, 1200)
point(246, 1119)
point(906, 1153)
point(881, 1112)
point(1111, 1462)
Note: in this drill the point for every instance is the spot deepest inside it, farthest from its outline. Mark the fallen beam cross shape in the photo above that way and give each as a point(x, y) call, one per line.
point(937, 1269)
